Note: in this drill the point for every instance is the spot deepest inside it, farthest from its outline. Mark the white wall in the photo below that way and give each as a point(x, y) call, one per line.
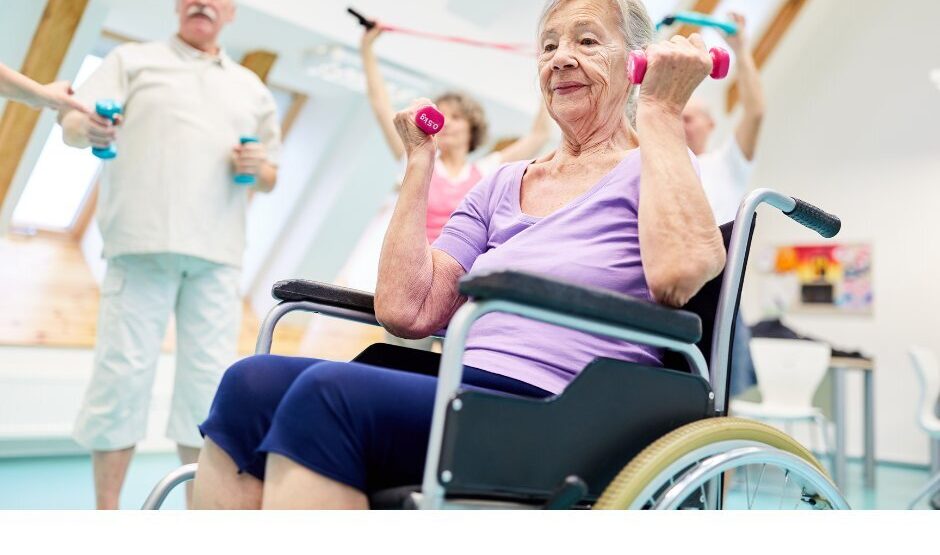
point(853, 127)
point(41, 391)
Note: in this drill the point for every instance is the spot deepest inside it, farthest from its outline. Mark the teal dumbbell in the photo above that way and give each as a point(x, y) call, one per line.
point(109, 109)
point(700, 19)
point(246, 179)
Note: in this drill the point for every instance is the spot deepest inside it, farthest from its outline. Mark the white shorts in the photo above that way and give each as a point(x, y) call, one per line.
point(137, 297)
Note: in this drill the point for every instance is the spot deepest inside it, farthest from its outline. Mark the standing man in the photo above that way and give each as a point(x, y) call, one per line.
point(173, 223)
point(726, 170)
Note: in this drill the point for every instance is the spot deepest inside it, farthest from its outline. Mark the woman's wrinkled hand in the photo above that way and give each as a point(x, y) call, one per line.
point(413, 138)
point(675, 69)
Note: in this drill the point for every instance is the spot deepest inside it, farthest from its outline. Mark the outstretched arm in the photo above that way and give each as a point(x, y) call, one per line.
point(752, 91)
point(530, 145)
point(57, 96)
point(378, 93)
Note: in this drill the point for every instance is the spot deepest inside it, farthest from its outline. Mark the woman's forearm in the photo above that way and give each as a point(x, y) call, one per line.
point(18, 87)
point(416, 292)
point(681, 245)
point(380, 102)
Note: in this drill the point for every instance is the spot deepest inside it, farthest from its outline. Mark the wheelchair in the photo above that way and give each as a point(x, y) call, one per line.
point(621, 435)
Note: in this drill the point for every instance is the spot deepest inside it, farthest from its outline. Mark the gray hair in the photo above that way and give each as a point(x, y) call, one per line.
point(636, 27)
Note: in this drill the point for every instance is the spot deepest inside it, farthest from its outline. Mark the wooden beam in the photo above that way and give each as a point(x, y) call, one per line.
point(118, 37)
point(260, 62)
point(298, 101)
point(701, 6)
point(768, 43)
point(43, 61)
point(86, 212)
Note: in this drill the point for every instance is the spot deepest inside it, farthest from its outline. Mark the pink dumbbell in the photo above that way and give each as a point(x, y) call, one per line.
point(637, 64)
point(429, 120)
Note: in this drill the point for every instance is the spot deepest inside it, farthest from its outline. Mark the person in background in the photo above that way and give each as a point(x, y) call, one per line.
point(726, 170)
point(173, 223)
point(464, 132)
point(56, 96)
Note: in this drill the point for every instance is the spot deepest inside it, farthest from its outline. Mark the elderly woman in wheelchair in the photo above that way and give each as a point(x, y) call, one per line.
point(562, 266)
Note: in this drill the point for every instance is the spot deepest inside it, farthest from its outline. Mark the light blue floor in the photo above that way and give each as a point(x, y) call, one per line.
point(65, 483)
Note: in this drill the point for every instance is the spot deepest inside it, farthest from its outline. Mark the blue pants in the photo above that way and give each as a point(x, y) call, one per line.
point(364, 426)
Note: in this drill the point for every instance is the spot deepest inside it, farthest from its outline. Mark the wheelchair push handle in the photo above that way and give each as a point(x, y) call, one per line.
point(817, 219)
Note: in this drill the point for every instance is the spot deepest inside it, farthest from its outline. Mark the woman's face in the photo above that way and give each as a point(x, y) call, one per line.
point(456, 132)
point(582, 64)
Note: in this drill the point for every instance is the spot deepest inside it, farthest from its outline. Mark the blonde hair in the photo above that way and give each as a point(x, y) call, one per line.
point(635, 26)
point(472, 111)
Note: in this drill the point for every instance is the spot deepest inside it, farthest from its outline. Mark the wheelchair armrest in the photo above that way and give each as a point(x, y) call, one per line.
point(587, 302)
point(295, 290)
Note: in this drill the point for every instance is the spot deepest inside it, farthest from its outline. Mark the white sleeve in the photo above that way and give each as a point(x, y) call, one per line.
point(109, 81)
point(489, 163)
point(739, 168)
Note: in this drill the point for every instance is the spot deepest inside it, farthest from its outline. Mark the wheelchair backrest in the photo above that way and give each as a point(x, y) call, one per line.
point(705, 305)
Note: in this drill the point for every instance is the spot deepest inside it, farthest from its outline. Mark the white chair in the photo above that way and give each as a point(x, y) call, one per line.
point(928, 371)
point(789, 372)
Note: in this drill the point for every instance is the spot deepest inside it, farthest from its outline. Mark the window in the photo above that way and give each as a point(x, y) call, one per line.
point(283, 98)
point(61, 180)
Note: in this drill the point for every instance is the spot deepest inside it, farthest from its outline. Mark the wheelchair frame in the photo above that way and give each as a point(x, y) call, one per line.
point(433, 489)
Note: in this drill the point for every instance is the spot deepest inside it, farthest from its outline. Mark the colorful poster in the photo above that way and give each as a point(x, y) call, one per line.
point(830, 277)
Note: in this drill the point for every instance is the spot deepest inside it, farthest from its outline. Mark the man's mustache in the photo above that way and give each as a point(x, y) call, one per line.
point(200, 9)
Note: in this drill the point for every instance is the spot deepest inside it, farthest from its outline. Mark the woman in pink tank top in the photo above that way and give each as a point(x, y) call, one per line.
point(454, 175)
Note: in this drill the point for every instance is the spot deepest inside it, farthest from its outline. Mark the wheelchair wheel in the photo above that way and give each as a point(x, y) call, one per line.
point(683, 469)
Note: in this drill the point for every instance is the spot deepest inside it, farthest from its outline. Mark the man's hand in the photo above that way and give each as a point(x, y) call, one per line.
point(98, 131)
point(249, 158)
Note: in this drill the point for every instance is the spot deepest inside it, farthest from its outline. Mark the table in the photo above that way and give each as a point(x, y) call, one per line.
point(838, 366)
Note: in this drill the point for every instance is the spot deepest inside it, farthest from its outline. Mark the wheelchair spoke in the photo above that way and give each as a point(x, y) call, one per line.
point(750, 499)
point(747, 480)
point(783, 492)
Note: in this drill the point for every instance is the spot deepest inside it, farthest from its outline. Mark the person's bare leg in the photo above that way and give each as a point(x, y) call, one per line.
point(288, 485)
point(218, 485)
point(110, 469)
point(188, 455)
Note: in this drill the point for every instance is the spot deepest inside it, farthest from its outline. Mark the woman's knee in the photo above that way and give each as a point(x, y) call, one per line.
point(258, 378)
point(331, 387)
point(325, 378)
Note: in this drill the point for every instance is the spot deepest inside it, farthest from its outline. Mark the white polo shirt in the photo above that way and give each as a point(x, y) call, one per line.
point(725, 174)
point(171, 189)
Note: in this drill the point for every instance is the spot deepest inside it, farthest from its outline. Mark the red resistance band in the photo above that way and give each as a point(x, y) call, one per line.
point(515, 48)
